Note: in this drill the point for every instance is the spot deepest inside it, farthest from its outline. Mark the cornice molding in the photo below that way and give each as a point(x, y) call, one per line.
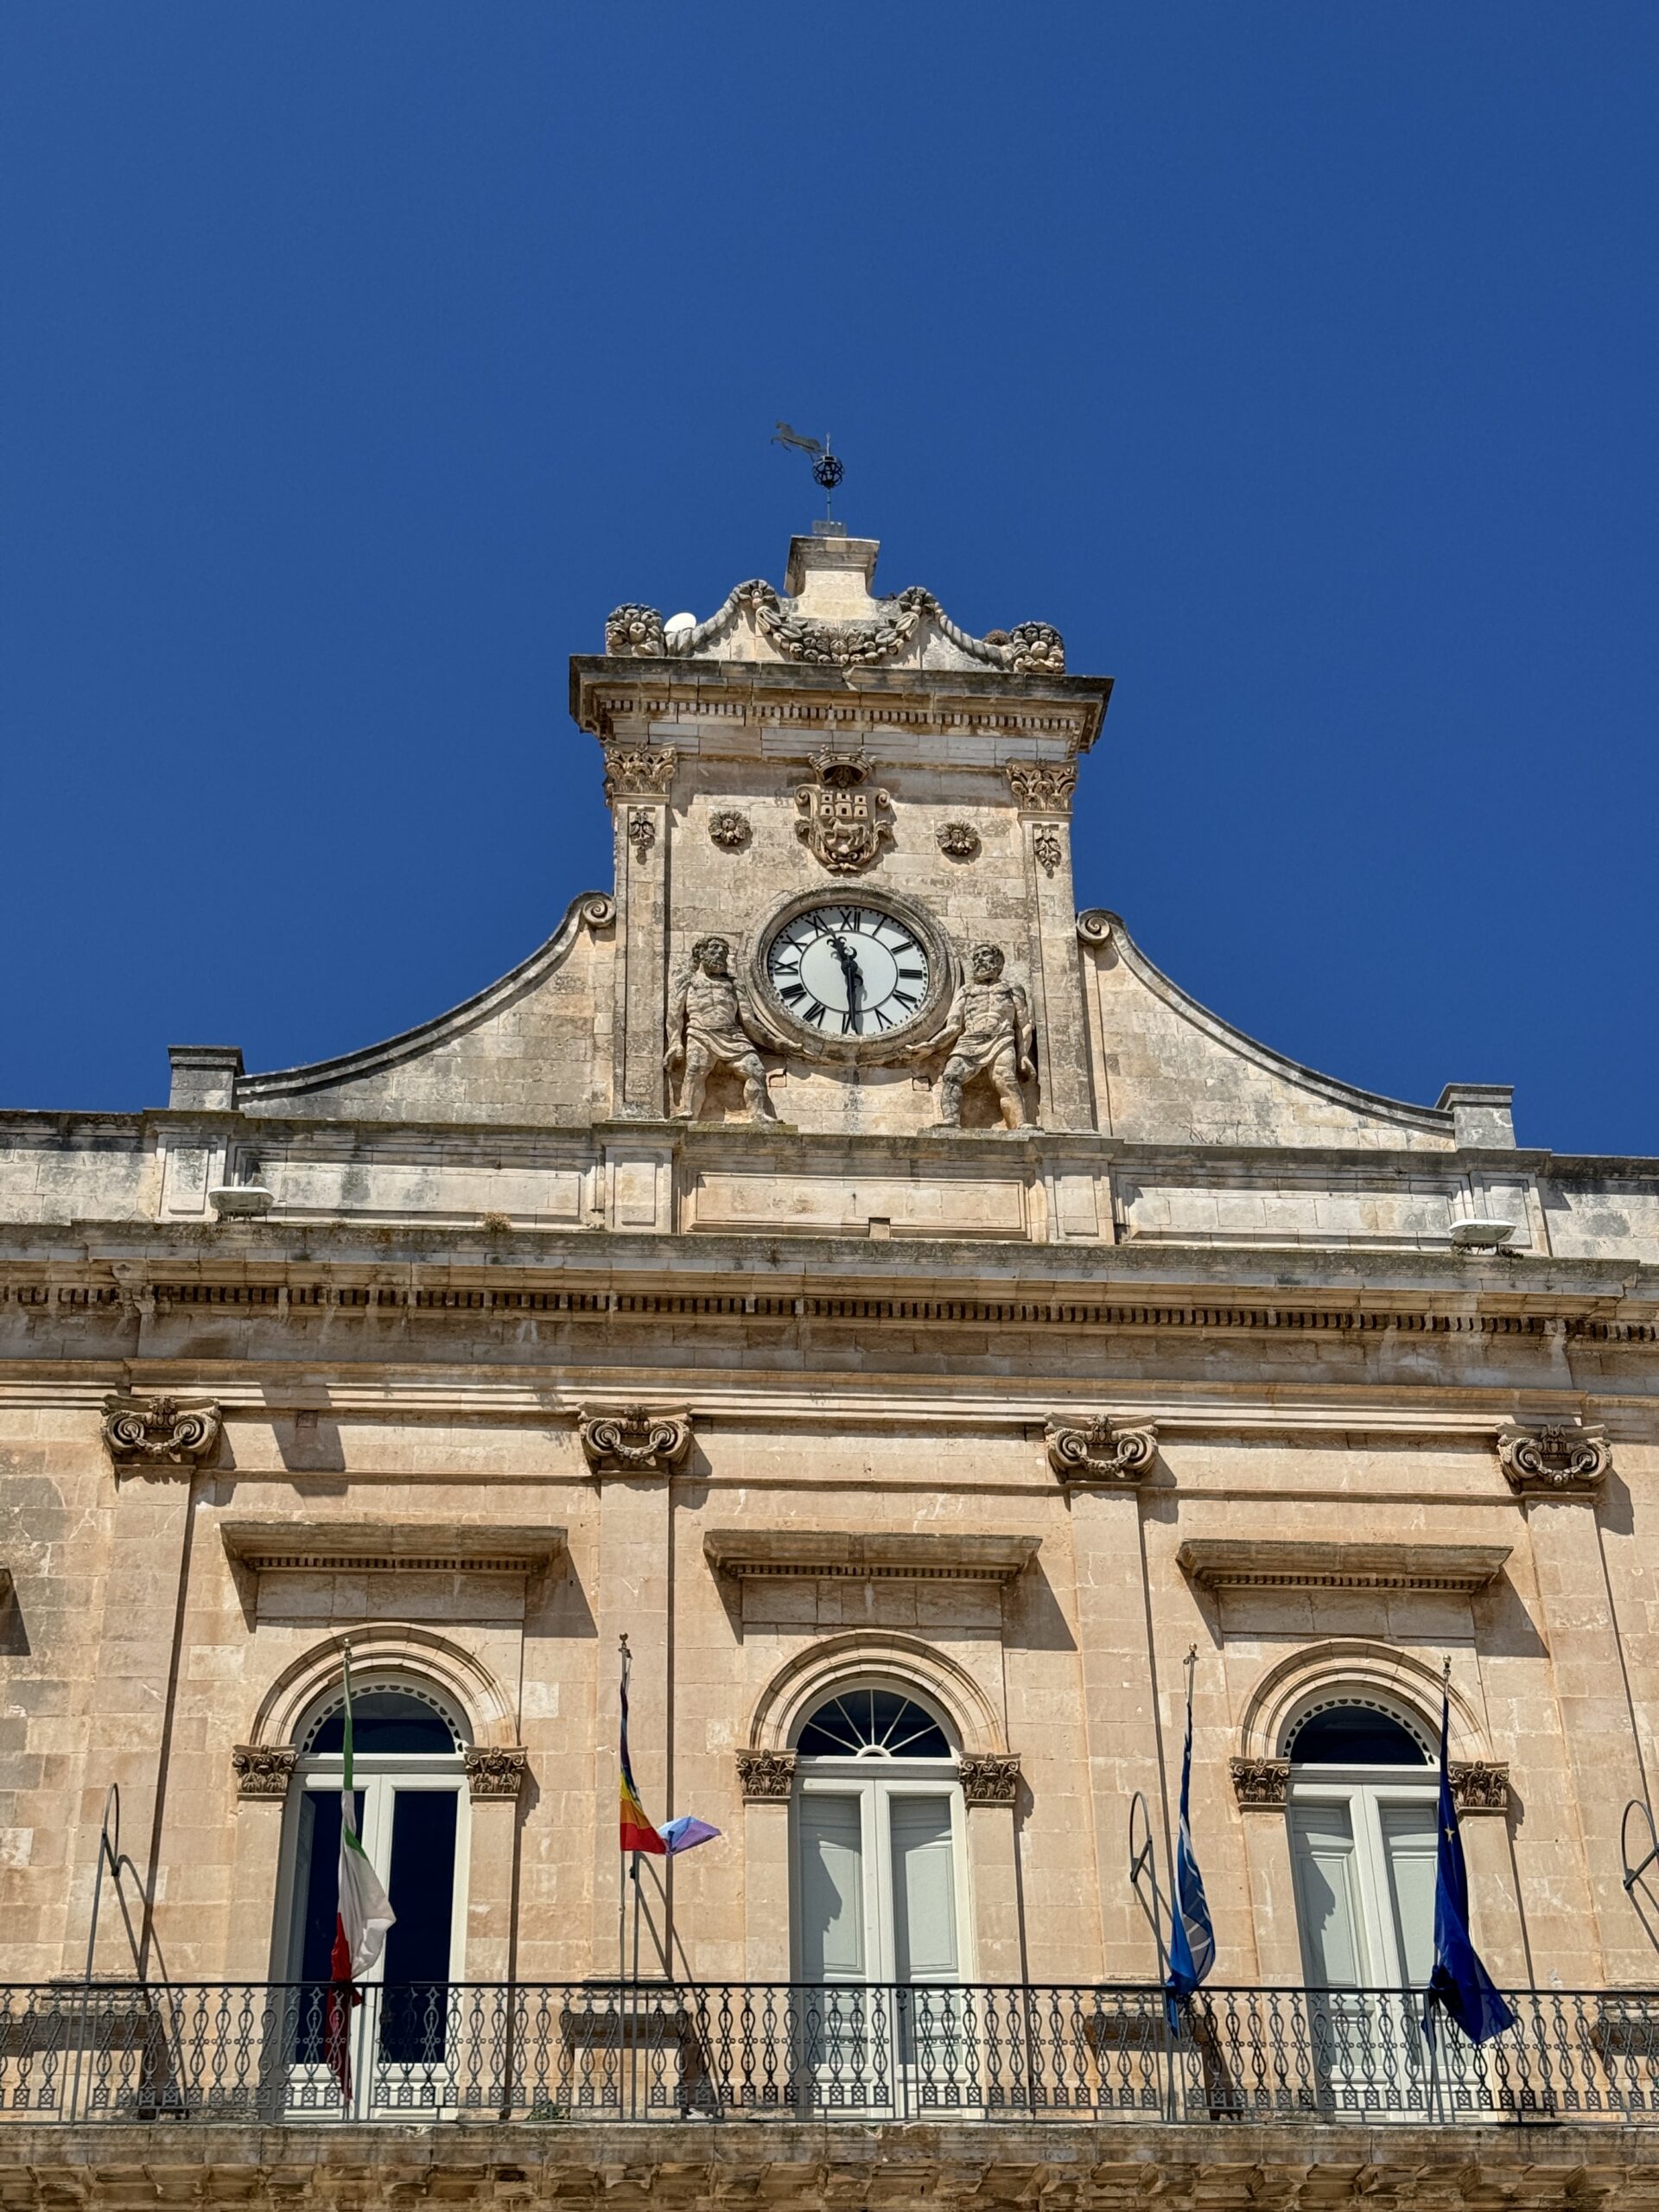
point(388, 1547)
point(768, 1553)
point(1238, 1563)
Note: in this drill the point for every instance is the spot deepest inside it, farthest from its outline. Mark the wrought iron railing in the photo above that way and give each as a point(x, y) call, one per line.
point(553, 2052)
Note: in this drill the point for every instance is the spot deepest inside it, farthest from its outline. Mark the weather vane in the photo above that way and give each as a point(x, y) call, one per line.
point(826, 469)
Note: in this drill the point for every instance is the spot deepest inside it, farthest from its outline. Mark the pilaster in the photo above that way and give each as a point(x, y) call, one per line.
point(1043, 794)
point(638, 780)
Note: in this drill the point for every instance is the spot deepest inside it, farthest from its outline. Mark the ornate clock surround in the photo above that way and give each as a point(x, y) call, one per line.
point(787, 1035)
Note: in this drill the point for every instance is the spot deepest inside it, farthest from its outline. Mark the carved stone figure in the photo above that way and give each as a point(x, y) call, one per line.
point(989, 1032)
point(844, 825)
point(707, 1030)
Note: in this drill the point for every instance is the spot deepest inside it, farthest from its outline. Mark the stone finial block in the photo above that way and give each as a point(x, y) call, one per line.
point(988, 1777)
point(203, 1076)
point(143, 1435)
point(495, 1769)
point(263, 1770)
point(1551, 1460)
point(1098, 1452)
point(764, 1775)
point(1483, 1118)
point(633, 1440)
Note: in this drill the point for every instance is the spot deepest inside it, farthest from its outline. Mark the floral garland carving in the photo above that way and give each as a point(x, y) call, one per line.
point(633, 632)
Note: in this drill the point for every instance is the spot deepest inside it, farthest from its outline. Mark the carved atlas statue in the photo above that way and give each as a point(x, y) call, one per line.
point(707, 1030)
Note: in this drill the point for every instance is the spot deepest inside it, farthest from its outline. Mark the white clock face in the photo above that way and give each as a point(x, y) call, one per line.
point(848, 971)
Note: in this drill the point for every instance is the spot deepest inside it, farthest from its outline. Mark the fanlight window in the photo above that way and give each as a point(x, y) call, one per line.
point(871, 1724)
point(1354, 1732)
point(399, 1720)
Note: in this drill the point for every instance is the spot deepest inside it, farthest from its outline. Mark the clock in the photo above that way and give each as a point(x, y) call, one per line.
point(851, 970)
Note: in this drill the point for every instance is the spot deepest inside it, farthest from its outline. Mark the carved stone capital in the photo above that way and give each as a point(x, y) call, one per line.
point(632, 1441)
point(988, 1777)
point(1100, 1453)
point(1042, 787)
point(638, 771)
point(764, 1775)
point(495, 1769)
point(1261, 1784)
point(1480, 1785)
point(146, 1434)
point(263, 1770)
point(1549, 1460)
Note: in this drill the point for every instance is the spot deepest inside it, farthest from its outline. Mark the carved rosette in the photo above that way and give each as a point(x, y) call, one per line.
point(638, 771)
point(144, 1435)
point(730, 829)
point(958, 841)
point(634, 633)
point(1550, 1461)
point(988, 1777)
point(763, 1775)
point(1480, 1785)
point(1261, 1784)
point(263, 1770)
point(1042, 787)
point(495, 1769)
point(1101, 1452)
point(634, 1440)
point(842, 824)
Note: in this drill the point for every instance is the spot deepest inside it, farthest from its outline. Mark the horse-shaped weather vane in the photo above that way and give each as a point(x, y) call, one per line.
point(826, 469)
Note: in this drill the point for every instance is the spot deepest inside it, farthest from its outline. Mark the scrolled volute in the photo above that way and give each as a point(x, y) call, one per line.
point(633, 1440)
point(1099, 1450)
point(1552, 1459)
point(144, 1435)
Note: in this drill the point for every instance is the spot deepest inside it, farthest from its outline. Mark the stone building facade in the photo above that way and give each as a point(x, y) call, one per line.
point(873, 1288)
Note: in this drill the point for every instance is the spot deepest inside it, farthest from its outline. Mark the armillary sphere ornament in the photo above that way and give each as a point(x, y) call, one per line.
point(827, 470)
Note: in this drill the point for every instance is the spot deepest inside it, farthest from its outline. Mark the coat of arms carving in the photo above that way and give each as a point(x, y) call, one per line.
point(844, 821)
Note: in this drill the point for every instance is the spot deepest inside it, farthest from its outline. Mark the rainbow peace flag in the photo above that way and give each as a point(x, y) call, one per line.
point(637, 1832)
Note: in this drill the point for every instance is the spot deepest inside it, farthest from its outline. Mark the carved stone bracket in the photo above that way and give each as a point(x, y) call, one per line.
point(633, 1440)
point(1100, 1453)
point(841, 823)
point(988, 1777)
point(1549, 1460)
point(1261, 1784)
point(495, 1769)
point(764, 1775)
point(145, 1435)
point(263, 1770)
point(1480, 1785)
point(1042, 787)
point(638, 771)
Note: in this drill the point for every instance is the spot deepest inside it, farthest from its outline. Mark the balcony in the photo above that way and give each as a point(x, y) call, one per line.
point(547, 2055)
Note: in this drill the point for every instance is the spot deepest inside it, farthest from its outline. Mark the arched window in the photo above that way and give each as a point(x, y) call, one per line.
point(880, 1887)
point(411, 1808)
point(1363, 1829)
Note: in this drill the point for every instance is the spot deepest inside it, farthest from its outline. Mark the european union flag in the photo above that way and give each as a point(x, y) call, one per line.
point(1193, 1938)
point(1459, 1984)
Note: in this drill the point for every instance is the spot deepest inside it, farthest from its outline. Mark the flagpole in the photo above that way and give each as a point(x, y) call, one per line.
point(622, 1885)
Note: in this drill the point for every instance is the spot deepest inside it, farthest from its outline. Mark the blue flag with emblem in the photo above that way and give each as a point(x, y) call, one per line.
point(1192, 1937)
point(1459, 1984)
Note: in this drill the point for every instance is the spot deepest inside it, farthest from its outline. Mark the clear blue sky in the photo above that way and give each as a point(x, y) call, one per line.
point(1297, 361)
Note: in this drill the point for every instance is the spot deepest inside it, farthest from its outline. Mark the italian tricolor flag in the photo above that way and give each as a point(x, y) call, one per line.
point(361, 1918)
